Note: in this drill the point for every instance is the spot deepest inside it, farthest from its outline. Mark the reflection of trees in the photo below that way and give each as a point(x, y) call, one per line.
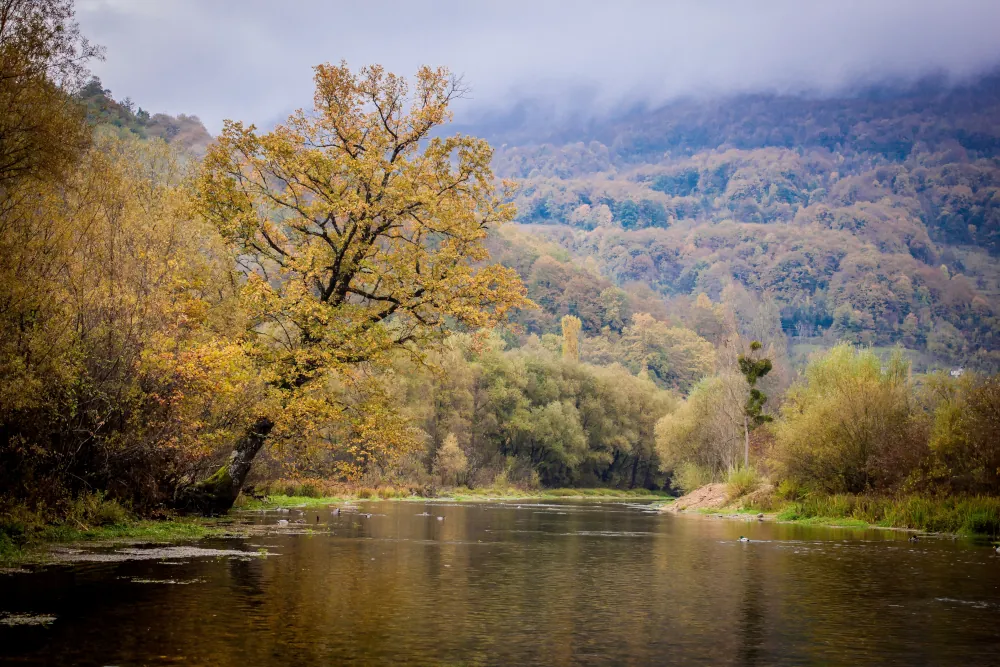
point(246, 579)
point(497, 585)
point(751, 614)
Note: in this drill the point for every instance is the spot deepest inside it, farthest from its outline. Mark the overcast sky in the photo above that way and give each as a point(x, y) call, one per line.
point(252, 59)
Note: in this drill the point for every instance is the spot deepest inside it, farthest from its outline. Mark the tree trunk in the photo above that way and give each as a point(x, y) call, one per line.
point(217, 494)
point(746, 446)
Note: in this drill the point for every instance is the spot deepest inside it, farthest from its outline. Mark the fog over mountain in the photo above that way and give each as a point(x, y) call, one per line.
point(251, 59)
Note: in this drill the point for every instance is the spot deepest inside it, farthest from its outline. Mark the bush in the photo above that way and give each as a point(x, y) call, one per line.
point(690, 476)
point(851, 426)
point(789, 490)
point(741, 481)
point(964, 441)
point(707, 428)
point(93, 509)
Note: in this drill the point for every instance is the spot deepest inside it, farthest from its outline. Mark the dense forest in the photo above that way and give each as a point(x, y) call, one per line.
point(655, 300)
point(873, 218)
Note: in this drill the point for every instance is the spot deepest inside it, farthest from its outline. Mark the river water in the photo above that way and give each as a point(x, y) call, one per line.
point(515, 584)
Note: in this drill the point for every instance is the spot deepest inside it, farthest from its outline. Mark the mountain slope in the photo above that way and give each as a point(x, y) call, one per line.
point(873, 218)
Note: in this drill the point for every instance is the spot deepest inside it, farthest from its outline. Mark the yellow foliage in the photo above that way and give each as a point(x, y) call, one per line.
point(450, 462)
point(132, 327)
point(571, 326)
point(359, 231)
point(850, 425)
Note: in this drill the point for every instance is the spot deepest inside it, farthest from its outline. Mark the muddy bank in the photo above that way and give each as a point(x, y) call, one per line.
point(710, 496)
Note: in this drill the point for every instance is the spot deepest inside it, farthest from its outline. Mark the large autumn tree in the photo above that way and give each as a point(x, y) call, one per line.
point(360, 230)
point(43, 62)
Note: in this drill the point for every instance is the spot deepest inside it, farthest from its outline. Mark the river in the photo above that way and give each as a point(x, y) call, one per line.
point(513, 584)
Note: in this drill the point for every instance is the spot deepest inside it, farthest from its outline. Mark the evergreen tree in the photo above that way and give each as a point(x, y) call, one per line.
point(753, 369)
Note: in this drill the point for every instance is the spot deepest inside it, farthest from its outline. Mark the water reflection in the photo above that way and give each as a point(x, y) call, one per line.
point(557, 583)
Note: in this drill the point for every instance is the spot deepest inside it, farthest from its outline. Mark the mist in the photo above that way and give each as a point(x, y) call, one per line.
point(252, 59)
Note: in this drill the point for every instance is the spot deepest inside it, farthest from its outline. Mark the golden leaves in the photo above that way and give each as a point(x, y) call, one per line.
point(358, 233)
point(357, 229)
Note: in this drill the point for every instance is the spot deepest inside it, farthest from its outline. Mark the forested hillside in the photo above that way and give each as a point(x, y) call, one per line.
point(872, 218)
point(103, 110)
point(348, 297)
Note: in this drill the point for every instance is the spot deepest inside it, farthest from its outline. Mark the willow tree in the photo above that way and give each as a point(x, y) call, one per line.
point(360, 229)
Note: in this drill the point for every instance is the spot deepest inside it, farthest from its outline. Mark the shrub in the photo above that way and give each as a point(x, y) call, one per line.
point(789, 490)
point(851, 426)
point(741, 481)
point(309, 490)
point(964, 441)
point(93, 509)
point(690, 476)
point(707, 428)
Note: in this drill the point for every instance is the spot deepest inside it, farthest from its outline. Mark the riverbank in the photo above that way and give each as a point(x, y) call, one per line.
point(973, 515)
point(459, 495)
point(25, 537)
point(30, 545)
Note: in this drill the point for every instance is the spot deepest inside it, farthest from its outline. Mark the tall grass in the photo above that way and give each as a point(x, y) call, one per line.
point(978, 515)
point(740, 481)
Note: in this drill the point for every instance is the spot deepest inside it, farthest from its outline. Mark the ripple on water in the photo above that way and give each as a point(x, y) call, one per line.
point(978, 604)
point(172, 582)
point(505, 587)
point(608, 533)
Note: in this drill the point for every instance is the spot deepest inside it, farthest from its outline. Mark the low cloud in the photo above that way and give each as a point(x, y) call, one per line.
point(252, 59)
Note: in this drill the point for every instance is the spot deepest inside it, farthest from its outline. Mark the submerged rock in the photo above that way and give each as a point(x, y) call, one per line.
point(8, 618)
point(156, 553)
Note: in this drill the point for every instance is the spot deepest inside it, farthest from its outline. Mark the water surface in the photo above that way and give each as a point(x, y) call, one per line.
point(508, 583)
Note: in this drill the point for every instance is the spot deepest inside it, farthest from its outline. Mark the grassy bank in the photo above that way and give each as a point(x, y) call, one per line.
point(749, 493)
point(977, 515)
point(25, 543)
point(23, 533)
point(461, 494)
point(25, 530)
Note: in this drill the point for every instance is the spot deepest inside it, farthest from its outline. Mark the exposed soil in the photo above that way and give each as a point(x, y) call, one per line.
point(710, 496)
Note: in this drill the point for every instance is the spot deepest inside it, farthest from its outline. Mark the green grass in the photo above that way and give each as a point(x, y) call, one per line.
point(11, 552)
point(789, 514)
point(29, 547)
point(974, 515)
point(174, 529)
point(290, 501)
